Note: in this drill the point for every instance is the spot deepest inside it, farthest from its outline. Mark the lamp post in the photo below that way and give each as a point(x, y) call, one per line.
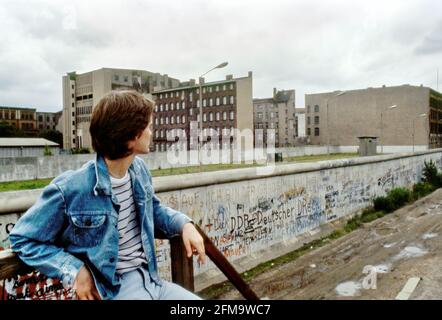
point(200, 142)
point(382, 126)
point(419, 116)
point(340, 93)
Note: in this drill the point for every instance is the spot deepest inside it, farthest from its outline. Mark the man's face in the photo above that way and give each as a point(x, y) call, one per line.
point(140, 145)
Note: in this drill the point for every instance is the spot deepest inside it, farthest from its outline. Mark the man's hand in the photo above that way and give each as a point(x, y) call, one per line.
point(84, 285)
point(193, 242)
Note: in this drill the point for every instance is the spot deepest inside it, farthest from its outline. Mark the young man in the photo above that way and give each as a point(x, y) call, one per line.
point(94, 227)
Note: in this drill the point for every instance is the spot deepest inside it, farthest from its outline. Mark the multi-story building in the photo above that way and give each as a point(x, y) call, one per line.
point(226, 104)
point(81, 92)
point(399, 116)
point(47, 120)
point(20, 118)
point(277, 113)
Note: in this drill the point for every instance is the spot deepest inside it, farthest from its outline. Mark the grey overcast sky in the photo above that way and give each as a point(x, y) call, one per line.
point(310, 46)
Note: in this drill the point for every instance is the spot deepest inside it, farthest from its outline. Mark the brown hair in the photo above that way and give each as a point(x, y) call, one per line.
point(120, 116)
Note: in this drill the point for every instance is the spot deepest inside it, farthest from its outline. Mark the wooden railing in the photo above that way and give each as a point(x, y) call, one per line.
point(181, 266)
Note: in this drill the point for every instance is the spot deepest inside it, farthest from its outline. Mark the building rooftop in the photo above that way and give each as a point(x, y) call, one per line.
point(18, 108)
point(26, 142)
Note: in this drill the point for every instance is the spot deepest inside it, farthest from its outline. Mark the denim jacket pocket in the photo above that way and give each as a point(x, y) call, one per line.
point(88, 227)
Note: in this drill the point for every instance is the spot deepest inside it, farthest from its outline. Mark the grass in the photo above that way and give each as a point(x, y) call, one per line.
point(24, 185)
point(41, 183)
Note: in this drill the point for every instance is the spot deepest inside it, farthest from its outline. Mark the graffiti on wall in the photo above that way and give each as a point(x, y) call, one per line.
point(242, 218)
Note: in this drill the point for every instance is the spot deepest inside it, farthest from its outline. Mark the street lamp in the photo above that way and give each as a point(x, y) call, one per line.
point(340, 93)
point(419, 116)
point(382, 126)
point(200, 142)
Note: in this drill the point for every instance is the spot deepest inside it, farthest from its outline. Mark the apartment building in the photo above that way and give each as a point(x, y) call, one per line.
point(277, 113)
point(81, 92)
point(20, 118)
point(399, 116)
point(47, 120)
point(226, 104)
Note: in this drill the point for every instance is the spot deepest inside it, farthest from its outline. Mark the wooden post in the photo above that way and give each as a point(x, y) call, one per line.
point(182, 267)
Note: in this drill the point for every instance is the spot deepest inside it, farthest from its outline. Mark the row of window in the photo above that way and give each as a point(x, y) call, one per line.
point(316, 108)
point(85, 97)
point(83, 119)
point(172, 120)
point(182, 105)
point(272, 115)
point(210, 89)
point(309, 132)
point(206, 117)
point(84, 110)
point(171, 134)
point(316, 120)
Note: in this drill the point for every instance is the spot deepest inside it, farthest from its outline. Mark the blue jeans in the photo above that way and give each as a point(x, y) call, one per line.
point(137, 285)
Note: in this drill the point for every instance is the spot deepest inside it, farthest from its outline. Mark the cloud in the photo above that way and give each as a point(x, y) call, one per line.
point(310, 46)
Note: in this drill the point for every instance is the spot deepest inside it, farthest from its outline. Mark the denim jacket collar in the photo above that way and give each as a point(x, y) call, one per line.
point(103, 184)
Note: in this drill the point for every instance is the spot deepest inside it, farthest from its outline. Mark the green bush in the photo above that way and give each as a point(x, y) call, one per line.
point(422, 189)
point(399, 197)
point(383, 204)
point(430, 174)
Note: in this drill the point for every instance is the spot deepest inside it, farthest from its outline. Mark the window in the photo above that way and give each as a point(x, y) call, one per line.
point(316, 131)
point(167, 95)
point(210, 116)
point(316, 108)
point(126, 78)
point(178, 119)
point(204, 103)
point(232, 100)
point(217, 116)
point(183, 119)
point(190, 96)
point(217, 88)
point(156, 121)
point(167, 120)
point(316, 120)
point(72, 87)
point(272, 114)
point(172, 120)
point(161, 120)
point(231, 86)
point(183, 105)
point(259, 115)
point(217, 101)
point(224, 87)
point(116, 77)
point(204, 117)
point(210, 101)
point(167, 106)
point(73, 105)
point(232, 115)
point(191, 111)
point(177, 94)
point(161, 107)
point(224, 115)
point(309, 132)
point(210, 89)
point(308, 120)
point(224, 100)
point(308, 108)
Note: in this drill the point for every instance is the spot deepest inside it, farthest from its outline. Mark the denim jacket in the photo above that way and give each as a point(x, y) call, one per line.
point(74, 223)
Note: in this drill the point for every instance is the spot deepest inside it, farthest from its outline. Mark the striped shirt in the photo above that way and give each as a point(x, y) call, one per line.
point(130, 250)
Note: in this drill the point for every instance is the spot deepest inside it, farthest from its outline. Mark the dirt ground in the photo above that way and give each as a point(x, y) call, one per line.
point(404, 244)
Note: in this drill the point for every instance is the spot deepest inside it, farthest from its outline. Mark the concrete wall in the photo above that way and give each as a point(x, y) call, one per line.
point(253, 218)
point(29, 168)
